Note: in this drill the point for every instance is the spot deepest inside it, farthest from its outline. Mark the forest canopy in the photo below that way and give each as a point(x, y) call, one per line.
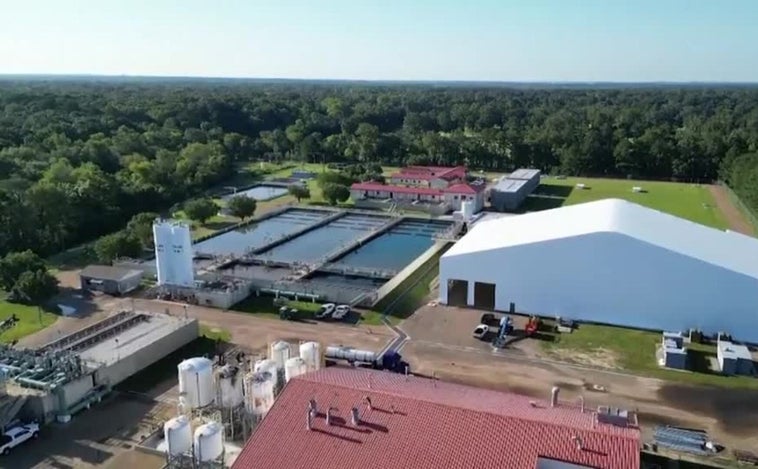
point(79, 158)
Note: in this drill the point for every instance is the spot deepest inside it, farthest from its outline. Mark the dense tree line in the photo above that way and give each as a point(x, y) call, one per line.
point(79, 159)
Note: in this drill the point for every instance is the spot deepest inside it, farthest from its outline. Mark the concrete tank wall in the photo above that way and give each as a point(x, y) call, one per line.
point(146, 356)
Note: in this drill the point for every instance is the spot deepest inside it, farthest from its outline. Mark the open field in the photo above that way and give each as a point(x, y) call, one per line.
point(30, 320)
point(634, 351)
point(690, 201)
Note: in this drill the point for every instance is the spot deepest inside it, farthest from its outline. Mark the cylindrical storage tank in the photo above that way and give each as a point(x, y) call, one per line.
point(467, 209)
point(280, 353)
point(350, 354)
point(196, 382)
point(310, 352)
point(259, 392)
point(295, 366)
point(178, 435)
point(267, 366)
point(229, 380)
point(209, 442)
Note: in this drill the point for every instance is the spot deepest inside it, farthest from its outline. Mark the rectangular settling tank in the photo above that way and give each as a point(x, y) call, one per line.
point(261, 192)
point(396, 248)
point(238, 242)
point(324, 240)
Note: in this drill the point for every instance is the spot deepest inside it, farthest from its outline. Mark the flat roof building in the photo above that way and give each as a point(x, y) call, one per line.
point(109, 279)
point(373, 419)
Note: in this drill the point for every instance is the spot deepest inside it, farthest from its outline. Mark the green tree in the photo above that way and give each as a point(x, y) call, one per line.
point(334, 193)
point(120, 244)
point(35, 287)
point(299, 192)
point(200, 210)
point(14, 264)
point(241, 206)
point(141, 226)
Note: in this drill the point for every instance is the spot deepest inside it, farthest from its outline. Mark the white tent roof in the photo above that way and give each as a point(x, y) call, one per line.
point(726, 249)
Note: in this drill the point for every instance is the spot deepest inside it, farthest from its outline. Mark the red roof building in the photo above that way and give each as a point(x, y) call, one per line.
point(417, 423)
point(426, 173)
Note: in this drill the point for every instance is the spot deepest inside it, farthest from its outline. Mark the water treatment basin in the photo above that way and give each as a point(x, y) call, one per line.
point(260, 192)
point(324, 240)
point(239, 241)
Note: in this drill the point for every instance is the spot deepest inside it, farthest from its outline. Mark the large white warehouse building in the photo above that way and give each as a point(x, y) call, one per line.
point(612, 262)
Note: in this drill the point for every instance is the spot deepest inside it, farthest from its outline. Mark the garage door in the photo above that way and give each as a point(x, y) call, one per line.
point(457, 292)
point(484, 295)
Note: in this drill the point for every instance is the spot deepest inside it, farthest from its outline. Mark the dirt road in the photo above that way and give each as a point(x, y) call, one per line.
point(736, 220)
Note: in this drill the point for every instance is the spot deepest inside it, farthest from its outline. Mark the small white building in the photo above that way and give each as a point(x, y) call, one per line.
point(173, 253)
point(609, 261)
point(734, 359)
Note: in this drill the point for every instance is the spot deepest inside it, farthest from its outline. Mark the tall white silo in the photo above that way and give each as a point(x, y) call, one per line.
point(310, 352)
point(173, 253)
point(177, 434)
point(268, 366)
point(295, 366)
point(196, 382)
point(229, 386)
point(259, 393)
point(209, 442)
point(280, 353)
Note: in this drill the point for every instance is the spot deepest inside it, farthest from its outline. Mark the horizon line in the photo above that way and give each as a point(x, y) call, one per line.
point(367, 80)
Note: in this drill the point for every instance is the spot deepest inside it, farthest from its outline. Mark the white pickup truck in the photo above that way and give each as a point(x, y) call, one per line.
point(17, 435)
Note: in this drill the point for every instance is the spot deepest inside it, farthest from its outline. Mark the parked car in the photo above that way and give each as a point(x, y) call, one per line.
point(17, 435)
point(341, 311)
point(326, 311)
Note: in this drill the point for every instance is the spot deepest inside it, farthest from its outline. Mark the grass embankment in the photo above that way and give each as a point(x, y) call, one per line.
point(411, 294)
point(634, 351)
point(690, 201)
point(30, 320)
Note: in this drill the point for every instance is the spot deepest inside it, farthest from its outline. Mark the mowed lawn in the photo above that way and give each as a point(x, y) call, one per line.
point(634, 350)
point(29, 320)
point(690, 201)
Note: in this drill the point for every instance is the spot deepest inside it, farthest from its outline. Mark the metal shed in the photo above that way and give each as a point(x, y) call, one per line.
point(734, 359)
point(109, 279)
point(510, 191)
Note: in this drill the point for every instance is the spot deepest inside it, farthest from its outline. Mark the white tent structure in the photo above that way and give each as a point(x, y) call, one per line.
point(612, 262)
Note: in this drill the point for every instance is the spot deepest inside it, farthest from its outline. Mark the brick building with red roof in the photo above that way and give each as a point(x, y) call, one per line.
point(373, 419)
point(438, 189)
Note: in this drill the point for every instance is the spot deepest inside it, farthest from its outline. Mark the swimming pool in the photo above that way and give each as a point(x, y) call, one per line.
point(255, 235)
point(324, 240)
point(396, 248)
point(260, 192)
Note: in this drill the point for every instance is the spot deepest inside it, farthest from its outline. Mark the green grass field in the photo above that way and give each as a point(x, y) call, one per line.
point(633, 351)
point(690, 201)
point(30, 320)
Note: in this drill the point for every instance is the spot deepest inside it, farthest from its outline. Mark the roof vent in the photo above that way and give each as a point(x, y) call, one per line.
point(578, 442)
point(309, 419)
point(368, 402)
point(329, 415)
point(356, 416)
point(554, 396)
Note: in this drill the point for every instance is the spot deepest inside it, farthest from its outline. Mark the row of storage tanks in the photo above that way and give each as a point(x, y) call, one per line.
point(256, 390)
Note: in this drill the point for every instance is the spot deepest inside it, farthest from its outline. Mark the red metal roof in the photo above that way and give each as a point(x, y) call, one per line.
point(465, 188)
point(417, 423)
point(431, 172)
point(375, 186)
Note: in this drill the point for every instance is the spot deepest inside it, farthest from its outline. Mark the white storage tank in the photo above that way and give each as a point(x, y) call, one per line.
point(310, 352)
point(467, 209)
point(209, 442)
point(177, 435)
point(259, 392)
point(295, 366)
point(229, 380)
point(196, 382)
point(280, 353)
point(268, 366)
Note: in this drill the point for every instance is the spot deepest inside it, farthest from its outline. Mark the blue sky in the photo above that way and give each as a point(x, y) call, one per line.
point(502, 40)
